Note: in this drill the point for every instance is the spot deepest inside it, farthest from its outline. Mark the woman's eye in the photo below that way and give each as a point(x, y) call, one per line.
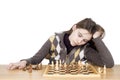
point(85, 40)
point(79, 35)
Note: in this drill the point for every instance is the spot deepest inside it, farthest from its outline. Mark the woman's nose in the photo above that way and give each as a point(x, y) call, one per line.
point(79, 41)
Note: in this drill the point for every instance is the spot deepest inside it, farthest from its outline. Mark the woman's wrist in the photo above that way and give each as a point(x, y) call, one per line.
point(24, 62)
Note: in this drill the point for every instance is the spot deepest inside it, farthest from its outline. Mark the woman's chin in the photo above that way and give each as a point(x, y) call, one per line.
point(73, 44)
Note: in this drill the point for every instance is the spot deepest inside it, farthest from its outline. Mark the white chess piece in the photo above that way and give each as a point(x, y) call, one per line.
point(104, 69)
point(60, 63)
point(56, 66)
point(99, 70)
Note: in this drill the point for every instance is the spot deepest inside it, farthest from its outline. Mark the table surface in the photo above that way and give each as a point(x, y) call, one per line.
point(5, 74)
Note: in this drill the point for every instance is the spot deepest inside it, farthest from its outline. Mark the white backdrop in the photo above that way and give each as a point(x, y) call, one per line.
point(26, 24)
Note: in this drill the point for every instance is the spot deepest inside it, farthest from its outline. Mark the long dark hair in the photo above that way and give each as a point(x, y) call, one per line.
point(87, 24)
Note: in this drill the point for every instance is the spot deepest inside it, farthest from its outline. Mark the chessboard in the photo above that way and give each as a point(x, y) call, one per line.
point(72, 70)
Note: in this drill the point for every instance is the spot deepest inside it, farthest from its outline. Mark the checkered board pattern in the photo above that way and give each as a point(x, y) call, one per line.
point(71, 71)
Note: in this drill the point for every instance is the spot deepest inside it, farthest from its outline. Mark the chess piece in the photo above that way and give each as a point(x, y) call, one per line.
point(60, 63)
point(86, 65)
point(40, 66)
point(52, 63)
point(99, 70)
point(79, 63)
point(65, 65)
point(56, 66)
point(104, 69)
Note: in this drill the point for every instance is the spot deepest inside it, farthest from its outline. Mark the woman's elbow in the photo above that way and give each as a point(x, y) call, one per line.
point(110, 64)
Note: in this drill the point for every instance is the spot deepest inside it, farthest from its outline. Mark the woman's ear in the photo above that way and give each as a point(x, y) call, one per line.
point(74, 27)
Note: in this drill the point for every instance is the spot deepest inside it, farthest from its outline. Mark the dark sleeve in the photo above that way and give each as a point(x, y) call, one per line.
point(98, 54)
point(40, 55)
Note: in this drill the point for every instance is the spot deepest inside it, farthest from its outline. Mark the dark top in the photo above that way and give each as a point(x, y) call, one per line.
point(67, 43)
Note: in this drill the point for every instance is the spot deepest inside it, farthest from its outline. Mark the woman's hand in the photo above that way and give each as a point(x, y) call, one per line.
point(97, 34)
point(17, 65)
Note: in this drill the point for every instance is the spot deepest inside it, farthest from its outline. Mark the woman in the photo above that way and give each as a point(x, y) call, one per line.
point(63, 46)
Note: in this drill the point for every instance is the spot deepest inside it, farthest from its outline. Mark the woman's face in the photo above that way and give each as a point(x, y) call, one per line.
point(79, 36)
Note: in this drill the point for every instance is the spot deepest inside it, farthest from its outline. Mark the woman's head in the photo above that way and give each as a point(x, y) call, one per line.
point(82, 32)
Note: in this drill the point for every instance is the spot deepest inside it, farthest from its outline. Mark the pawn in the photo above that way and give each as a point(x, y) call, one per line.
point(40, 66)
point(79, 63)
point(56, 66)
point(99, 70)
point(65, 65)
point(60, 63)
